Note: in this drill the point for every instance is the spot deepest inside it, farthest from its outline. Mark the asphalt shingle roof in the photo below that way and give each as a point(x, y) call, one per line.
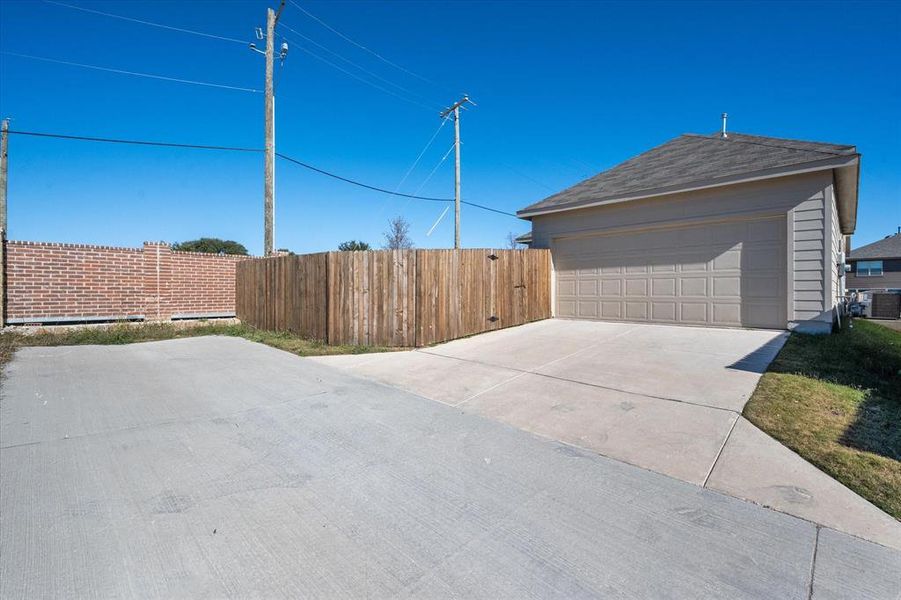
point(889, 247)
point(692, 158)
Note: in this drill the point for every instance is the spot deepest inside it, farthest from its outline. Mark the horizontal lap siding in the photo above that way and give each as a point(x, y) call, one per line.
point(808, 257)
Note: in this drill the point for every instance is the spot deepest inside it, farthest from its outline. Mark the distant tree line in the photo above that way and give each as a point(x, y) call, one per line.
point(211, 246)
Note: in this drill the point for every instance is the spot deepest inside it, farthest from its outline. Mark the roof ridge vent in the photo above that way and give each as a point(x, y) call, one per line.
point(724, 135)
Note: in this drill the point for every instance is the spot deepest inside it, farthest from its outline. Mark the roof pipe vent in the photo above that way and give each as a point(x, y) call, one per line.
point(724, 135)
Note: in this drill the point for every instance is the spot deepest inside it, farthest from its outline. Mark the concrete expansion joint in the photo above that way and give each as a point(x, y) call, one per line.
point(521, 372)
point(722, 447)
point(813, 561)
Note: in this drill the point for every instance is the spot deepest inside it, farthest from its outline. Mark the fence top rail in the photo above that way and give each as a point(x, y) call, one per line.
point(382, 250)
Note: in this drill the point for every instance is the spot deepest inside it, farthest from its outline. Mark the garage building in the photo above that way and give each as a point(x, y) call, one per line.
point(709, 230)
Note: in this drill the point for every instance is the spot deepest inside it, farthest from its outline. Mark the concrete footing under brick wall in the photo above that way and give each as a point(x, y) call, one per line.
point(50, 282)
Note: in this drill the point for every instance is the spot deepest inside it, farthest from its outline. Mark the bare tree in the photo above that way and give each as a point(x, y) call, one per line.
point(512, 244)
point(397, 237)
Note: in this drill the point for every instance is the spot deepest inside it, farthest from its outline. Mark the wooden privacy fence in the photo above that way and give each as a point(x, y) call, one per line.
point(395, 297)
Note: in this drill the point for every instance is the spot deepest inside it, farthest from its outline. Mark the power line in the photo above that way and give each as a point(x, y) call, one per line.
point(440, 162)
point(359, 45)
point(136, 142)
point(151, 23)
point(363, 185)
point(495, 210)
point(366, 81)
point(134, 73)
point(350, 62)
point(244, 149)
point(418, 158)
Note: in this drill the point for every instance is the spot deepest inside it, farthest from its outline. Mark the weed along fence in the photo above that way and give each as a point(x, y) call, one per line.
point(394, 297)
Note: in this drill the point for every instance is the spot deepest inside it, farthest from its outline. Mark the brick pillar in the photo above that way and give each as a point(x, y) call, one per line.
point(157, 278)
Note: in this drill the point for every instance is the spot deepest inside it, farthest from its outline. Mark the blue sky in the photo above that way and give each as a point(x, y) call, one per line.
point(564, 90)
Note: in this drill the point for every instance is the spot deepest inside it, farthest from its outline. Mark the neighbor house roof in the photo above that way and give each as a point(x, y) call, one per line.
point(889, 247)
point(693, 161)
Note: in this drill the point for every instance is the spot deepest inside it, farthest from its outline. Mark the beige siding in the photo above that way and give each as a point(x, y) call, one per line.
point(836, 269)
point(809, 282)
point(800, 198)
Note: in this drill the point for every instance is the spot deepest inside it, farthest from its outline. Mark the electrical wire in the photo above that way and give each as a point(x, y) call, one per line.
point(348, 61)
point(359, 45)
point(363, 185)
point(136, 142)
point(418, 158)
point(151, 23)
point(440, 162)
point(366, 81)
point(134, 73)
point(253, 150)
point(483, 207)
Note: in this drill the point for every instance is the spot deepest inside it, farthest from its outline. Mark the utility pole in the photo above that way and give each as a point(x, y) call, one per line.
point(455, 109)
point(269, 169)
point(4, 174)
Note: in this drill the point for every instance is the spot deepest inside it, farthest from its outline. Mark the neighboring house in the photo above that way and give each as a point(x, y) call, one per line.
point(735, 231)
point(876, 266)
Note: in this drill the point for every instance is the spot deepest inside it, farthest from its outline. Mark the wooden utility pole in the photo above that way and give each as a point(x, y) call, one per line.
point(269, 171)
point(455, 109)
point(4, 174)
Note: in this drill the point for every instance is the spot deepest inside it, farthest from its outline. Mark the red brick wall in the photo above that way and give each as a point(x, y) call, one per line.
point(46, 281)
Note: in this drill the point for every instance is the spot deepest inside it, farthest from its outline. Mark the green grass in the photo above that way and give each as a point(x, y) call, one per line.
point(836, 401)
point(124, 333)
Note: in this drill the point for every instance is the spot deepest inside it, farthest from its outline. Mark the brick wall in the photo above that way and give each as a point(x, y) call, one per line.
point(47, 281)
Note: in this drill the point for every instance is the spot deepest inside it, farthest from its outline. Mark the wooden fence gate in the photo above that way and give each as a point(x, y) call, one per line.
point(395, 297)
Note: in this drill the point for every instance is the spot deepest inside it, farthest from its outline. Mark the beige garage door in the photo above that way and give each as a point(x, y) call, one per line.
point(729, 274)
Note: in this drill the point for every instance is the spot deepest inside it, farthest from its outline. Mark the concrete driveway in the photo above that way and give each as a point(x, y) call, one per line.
point(214, 467)
point(664, 398)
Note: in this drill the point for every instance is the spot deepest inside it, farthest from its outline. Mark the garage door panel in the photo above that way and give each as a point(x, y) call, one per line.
point(636, 287)
point(566, 308)
point(611, 287)
point(730, 259)
point(764, 258)
point(693, 286)
point(693, 312)
point(566, 287)
point(726, 314)
point(728, 273)
point(663, 286)
point(611, 310)
point(589, 309)
point(759, 287)
point(727, 287)
point(663, 311)
point(637, 310)
point(588, 287)
point(693, 267)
